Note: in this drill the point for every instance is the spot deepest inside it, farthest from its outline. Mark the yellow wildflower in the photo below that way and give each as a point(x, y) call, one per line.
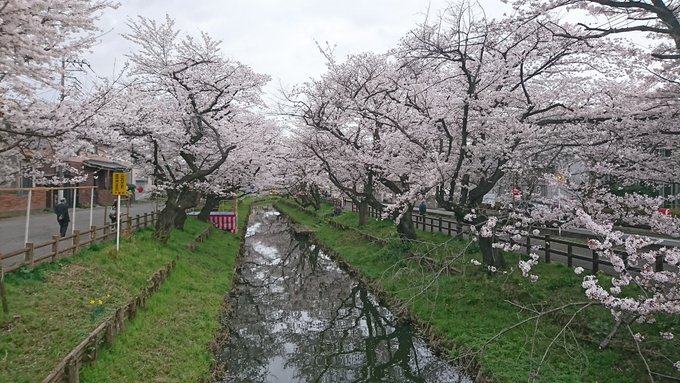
point(100, 302)
point(91, 301)
point(108, 296)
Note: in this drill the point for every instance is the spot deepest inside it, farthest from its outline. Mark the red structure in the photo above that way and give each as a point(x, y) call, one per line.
point(665, 211)
point(226, 221)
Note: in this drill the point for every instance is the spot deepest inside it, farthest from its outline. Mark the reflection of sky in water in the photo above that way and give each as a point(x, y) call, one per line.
point(298, 317)
point(269, 252)
point(271, 214)
point(253, 229)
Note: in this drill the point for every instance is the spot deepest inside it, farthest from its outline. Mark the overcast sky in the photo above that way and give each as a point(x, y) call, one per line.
point(276, 37)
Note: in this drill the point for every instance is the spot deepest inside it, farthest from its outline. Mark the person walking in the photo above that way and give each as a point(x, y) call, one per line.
point(422, 208)
point(61, 210)
point(113, 214)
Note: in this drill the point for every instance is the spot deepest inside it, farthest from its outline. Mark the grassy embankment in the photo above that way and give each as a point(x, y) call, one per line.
point(168, 341)
point(471, 307)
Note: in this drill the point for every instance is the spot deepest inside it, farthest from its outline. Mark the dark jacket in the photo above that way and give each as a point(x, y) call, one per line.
point(61, 210)
point(422, 208)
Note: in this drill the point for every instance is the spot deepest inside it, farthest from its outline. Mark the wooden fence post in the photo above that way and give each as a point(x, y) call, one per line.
point(107, 229)
point(133, 309)
point(658, 266)
point(146, 222)
point(137, 222)
point(73, 369)
point(128, 224)
point(76, 241)
point(596, 261)
point(547, 248)
point(528, 243)
point(55, 247)
point(120, 319)
point(30, 250)
point(111, 332)
point(3, 292)
point(93, 233)
point(570, 260)
point(93, 356)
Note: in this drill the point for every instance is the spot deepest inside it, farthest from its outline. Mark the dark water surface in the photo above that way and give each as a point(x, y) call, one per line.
point(299, 318)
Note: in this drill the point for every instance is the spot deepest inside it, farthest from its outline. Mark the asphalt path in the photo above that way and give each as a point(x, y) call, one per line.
point(43, 225)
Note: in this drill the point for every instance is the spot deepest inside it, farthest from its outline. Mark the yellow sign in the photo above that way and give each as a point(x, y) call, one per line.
point(119, 186)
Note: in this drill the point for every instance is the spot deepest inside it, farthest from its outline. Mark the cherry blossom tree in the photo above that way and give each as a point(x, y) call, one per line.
point(625, 134)
point(38, 39)
point(494, 93)
point(243, 167)
point(355, 123)
point(477, 101)
point(660, 19)
point(334, 136)
point(184, 113)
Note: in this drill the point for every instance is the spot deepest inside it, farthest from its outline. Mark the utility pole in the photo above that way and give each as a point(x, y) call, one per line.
point(62, 96)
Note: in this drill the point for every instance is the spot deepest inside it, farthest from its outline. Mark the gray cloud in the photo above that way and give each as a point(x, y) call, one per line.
point(276, 37)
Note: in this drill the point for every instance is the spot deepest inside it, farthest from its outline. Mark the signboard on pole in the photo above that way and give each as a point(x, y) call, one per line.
point(119, 186)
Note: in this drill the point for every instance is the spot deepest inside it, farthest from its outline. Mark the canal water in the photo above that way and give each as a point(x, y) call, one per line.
point(297, 317)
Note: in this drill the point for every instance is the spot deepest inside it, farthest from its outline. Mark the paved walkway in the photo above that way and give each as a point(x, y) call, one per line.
point(43, 225)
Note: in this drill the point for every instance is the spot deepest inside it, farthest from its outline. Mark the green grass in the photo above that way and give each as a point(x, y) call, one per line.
point(168, 341)
point(469, 308)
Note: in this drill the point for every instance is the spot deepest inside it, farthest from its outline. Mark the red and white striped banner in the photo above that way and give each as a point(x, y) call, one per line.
point(223, 221)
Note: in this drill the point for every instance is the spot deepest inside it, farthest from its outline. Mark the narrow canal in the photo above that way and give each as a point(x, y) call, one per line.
point(297, 317)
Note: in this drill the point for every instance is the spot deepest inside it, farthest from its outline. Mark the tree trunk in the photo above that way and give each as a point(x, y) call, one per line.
point(165, 221)
point(405, 228)
point(180, 218)
point(363, 212)
point(315, 196)
point(211, 203)
point(173, 214)
point(187, 200)
point(490, 255)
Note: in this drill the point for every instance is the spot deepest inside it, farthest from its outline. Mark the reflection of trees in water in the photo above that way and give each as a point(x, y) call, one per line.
point(359, 343)
point(299, 318)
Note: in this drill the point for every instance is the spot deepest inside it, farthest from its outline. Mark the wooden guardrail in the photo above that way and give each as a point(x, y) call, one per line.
point(71, 244)
point(546, 245)
point(200, 238)
point(87, 350)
